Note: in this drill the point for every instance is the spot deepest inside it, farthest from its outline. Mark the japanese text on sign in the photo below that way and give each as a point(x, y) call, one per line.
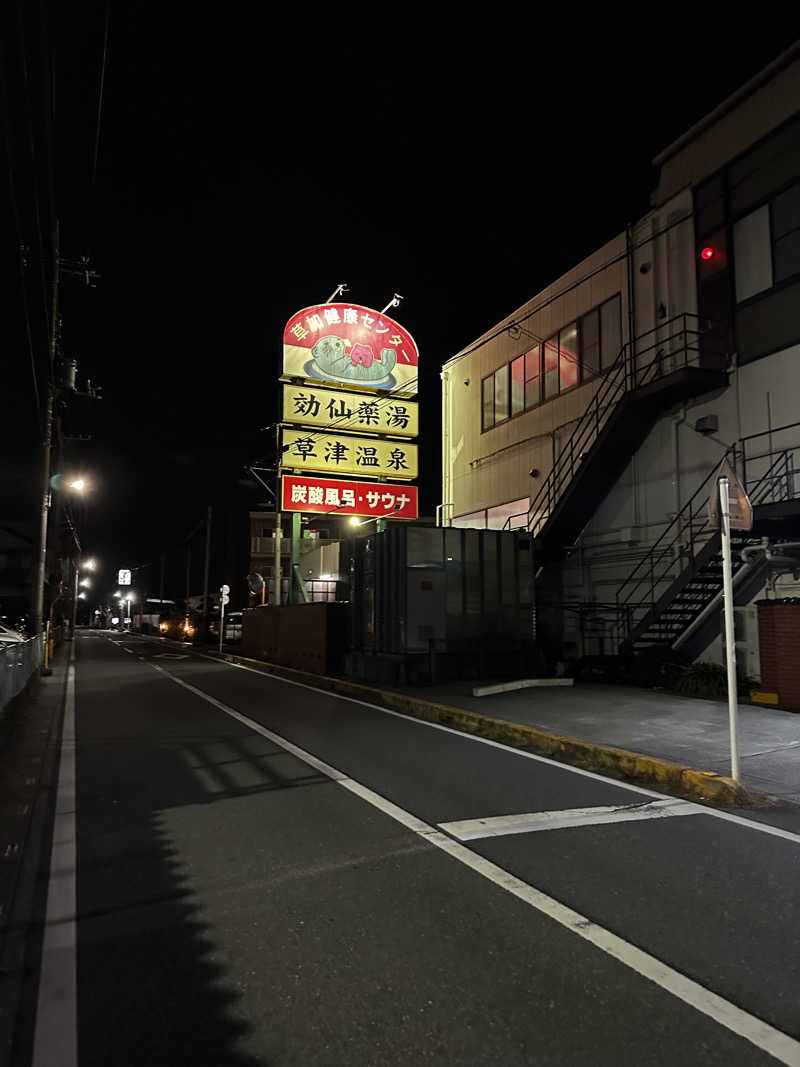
point(323, 496)
point(350, 411)
point(342, 454)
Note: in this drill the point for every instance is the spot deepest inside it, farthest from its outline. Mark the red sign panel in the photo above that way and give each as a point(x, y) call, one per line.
point(328, 496)
point(351, 344)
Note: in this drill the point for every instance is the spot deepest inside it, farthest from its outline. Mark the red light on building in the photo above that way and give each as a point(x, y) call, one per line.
point(707, 253)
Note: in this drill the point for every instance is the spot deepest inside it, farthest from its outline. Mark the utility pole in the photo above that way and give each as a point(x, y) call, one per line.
point(205, 573)
point(277, 567)
point(41, 567)
point(161, 588)
point(188, 572)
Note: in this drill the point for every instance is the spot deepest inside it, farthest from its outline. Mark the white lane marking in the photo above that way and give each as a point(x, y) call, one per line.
point(715, 813)
point(56, 1031)
point(500, 825)
point(759, 1033)
point(323, 768)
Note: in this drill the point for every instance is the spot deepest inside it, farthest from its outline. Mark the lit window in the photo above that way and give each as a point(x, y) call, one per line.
point(533, 376)
point(551, 367)
point(501, 394)
point(487, 402)
point(517, 385)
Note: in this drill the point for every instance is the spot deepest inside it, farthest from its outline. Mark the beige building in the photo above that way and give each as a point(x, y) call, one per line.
point(597, 414)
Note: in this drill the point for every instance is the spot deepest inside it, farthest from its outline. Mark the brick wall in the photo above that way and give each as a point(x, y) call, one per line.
point(779, 638)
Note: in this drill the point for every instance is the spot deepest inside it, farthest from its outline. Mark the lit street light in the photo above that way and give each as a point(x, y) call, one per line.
point(86, 583)
point(78, 484)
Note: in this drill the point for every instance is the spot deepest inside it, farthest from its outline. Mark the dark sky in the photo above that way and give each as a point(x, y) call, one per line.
point(246, 167)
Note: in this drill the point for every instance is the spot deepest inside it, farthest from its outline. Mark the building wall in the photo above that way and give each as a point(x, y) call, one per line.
point(487, 468)
point(743, 160)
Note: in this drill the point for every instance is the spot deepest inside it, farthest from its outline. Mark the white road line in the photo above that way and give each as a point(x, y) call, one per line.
point(500, 825)
point(715, 813)
point(56, 1032)
point(781, 1046)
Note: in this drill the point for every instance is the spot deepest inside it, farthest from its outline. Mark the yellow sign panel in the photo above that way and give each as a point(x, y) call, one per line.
point(334, 453)
point(342, 410)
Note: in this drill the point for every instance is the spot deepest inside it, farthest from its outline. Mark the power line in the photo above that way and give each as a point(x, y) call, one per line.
point(580, 281)
point(18, 230)
point(100, 94)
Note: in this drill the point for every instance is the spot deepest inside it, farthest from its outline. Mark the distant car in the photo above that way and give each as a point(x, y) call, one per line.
point(8, 637)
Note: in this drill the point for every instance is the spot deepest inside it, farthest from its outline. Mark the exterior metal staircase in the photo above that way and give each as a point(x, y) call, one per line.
point(675, 585)
point(679, 359)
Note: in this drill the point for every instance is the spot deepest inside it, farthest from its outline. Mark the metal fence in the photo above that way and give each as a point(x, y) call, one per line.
point(18, 661)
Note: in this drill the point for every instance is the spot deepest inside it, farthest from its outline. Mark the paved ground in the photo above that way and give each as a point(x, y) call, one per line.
point(266, 874)
point(688, 731)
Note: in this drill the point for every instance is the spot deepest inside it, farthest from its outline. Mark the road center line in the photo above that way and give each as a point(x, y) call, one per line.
point(781, 1046)
point(56, 1031)
point(500, 825)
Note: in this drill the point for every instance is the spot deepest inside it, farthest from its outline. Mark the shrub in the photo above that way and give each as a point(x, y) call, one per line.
point(709, 681)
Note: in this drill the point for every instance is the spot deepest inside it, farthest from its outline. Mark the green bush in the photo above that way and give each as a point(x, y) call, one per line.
point(709, 681)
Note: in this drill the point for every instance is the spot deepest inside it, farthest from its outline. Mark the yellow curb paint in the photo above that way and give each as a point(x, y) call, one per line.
point(613, 762)
point(764, 698)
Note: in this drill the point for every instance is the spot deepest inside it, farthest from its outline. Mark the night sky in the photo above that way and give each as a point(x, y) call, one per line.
point(246, 167)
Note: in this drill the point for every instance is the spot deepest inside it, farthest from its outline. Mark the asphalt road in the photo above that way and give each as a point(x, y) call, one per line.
point(240, 902)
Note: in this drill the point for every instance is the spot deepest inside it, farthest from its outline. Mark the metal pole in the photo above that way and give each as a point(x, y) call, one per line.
point(41, 567)
point(188, 572)
point(730, 642)
point(161, 587)
point(205, 574)
point(221, 618)
point(277, 567)
point(75, 599)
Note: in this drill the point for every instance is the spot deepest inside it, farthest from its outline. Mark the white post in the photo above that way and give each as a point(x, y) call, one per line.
point(221, 619)
point(730, 641)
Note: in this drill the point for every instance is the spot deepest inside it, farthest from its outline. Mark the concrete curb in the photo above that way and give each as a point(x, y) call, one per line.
point(650, 771)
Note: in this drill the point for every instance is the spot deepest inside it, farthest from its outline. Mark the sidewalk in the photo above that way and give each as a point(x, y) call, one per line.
point(655, 723)
point(29, 733)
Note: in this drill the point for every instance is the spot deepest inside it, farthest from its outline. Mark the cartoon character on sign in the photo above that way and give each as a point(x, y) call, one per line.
point(336, 357)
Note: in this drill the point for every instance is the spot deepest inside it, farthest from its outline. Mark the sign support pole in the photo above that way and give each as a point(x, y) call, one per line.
point(296, 535)
point(730, 642)
point(221, 620)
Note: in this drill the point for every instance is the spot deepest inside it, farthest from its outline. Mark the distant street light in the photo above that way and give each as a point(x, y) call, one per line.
point(85, 583)
point(78, 484)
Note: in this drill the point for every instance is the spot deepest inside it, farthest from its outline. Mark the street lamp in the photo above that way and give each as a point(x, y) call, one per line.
point(50, 483)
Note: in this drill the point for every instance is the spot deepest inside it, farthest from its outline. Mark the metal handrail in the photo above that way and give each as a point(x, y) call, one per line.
point(622, 377)
point(683, 538)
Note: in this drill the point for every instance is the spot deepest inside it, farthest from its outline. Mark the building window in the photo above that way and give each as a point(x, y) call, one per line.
point(786, 233)
point(551, 367)
point(517, 385)
point(474, 521)
point(501, 394)
point(511, 516)
point(533, 376)
point(569, 358)
point(487, 402)
point(575, 354)
point(752, 254)
point(590, 343)
point(610, 331)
